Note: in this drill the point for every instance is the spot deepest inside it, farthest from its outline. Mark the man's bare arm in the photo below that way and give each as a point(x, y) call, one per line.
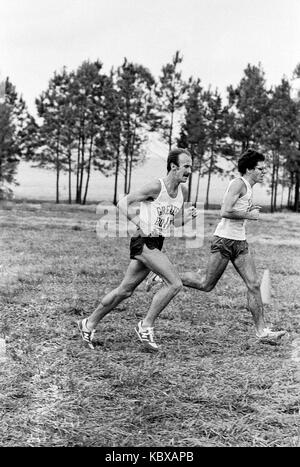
point(185, 215)
point(147, 193)
point(232, 196)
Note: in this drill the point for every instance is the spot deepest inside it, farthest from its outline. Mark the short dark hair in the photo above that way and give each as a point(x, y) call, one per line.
point(173, 156)
point(249, 160)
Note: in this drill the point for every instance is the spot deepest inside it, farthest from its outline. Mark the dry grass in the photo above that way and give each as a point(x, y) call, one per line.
point(212, 385)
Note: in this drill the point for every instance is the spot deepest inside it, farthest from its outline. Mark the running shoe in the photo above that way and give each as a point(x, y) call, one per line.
point(269, 335)
point(146, 337)
point(152, 279)
point(87, 336)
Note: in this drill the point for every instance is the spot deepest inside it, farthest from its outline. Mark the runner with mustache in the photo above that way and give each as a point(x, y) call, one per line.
point(161, 207)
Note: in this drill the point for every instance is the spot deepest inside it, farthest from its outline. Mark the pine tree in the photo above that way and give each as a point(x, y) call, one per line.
point(73, 109)
point(17, 128)
point(249, 103)
point(193, 133)
point(52, 107)
point(89, 96)
point(134, 85)
point(9, 159)
point(281, 134)
point(217, 133)
point(170, 94)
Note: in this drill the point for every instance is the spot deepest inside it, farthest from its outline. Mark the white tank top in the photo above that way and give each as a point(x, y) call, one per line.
point(235, 229)
point(156, 217)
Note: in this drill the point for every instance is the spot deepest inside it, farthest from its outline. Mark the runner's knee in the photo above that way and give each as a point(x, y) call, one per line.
point(124, 292)
point(176, 286)
point(253, 285)
point(207, 287)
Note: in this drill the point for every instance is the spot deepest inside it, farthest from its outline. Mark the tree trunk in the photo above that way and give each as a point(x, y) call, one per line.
point(190, 186)
point(57, 170)
point(129, 174)
point(116, 176)
point(291, 186)
point(276, 186)
point(126, 169)
point(70, 174)
point(82, 166)
point(245, 145)
point(297, 187)
point(127, 148)
point(191, 177)
point(282, 188)
point(198, 184)
point(131, 162)
point(272, 186)
point(88, 170)
point(208, 181)
point(289, 197)
point(171, 131)
point(281, 199)
point(77, 170)
point(57, 179)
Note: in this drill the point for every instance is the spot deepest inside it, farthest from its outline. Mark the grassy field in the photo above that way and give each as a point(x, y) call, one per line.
point(213, 383)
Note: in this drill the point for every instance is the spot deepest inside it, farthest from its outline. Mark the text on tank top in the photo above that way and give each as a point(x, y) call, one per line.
point(157, 216)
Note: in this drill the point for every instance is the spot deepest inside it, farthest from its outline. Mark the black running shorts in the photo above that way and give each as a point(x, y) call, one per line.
point(137, 244)
point(228, 248)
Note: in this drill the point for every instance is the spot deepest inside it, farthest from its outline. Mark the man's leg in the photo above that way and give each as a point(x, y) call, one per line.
point(160, 264)
point(134, 275)
point(216, 266)
point(245, 266)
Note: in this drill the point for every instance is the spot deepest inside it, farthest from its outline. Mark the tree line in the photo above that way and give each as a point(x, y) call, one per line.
point(90, 120)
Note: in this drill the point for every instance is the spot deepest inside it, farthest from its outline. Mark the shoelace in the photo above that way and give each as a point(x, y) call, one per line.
point(89, 335)
point(151, 335)
point(148, 333)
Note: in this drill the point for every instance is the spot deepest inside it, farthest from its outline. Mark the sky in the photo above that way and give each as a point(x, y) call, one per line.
point(217, 38)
